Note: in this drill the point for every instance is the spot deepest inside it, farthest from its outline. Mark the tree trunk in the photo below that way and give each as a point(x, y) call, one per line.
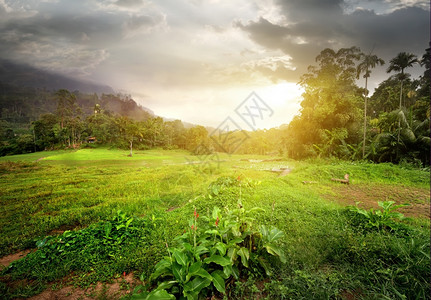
point(365, 117)
point(131, 148)
point(401, 102)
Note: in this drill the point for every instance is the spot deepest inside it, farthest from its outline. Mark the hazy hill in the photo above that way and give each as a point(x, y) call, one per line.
point(26, 76)
point(27, 92)
point(25, 104)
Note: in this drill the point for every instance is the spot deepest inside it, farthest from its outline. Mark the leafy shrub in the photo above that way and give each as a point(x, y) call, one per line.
point(213, 251)
point(380, 219)
point(82, 250)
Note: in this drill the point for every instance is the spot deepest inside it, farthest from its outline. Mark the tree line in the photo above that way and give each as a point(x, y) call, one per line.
point(337, 117)
point(69, 127)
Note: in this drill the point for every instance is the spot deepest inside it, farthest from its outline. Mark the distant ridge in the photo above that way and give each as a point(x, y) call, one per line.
point(26, 76)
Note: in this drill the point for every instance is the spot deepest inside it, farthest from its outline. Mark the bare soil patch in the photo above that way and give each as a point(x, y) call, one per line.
point(8, 259)
point(119, 288)
point(369, 195)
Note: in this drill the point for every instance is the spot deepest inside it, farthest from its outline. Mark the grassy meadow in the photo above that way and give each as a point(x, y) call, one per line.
point(331, 252)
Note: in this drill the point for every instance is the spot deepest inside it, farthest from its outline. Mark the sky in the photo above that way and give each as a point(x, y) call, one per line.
point(200, 61)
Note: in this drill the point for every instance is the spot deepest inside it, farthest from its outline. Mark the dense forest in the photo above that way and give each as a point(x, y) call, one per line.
point(336, 119)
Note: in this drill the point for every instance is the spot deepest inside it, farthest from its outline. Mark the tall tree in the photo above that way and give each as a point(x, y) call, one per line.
point(44, 133)
point(330, 105)
point(368, 62)
point(129, 130)
point(425, 79)
point(65, 100)
point(398, 64)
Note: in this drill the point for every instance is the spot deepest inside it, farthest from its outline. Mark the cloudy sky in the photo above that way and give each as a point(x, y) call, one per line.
point(198, 60)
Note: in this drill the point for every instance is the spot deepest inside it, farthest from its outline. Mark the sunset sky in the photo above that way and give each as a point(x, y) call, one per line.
point(197, 60)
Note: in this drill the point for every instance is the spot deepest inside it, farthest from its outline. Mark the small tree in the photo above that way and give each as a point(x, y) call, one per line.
point(129, 130)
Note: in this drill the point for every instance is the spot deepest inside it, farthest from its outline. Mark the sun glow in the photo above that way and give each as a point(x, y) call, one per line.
point(284, 99)
point(281, 94)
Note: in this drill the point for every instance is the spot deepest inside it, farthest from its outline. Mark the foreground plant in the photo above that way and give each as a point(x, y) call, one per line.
point(87, 250)
point(381, 219)
point(212, 253)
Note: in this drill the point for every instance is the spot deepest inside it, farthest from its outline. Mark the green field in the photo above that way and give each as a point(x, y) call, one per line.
point(331, 252)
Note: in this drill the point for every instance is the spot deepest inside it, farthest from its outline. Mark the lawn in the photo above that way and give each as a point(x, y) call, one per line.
point(330, 252)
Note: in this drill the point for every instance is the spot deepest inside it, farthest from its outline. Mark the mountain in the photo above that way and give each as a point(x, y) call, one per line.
point(21, 75)
point(27, 92)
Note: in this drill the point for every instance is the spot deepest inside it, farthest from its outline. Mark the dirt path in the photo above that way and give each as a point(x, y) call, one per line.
point(369, 195)
point(115, 290)
point(8, 259)
point(119, 288)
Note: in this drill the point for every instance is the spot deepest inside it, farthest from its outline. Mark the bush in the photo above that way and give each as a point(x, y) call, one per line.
point(214, 251)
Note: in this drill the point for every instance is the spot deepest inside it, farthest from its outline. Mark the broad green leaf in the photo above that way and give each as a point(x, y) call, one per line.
point(245, 255)
point(232, 254)
point(159, 295)
point(190, 296)
point(183, 237)
point(180, 257)
point(187, 246)
point(201, 250)
point(166, 284)
point(274, 250)
point(264, 231)
point(275, 234)
point(41, 243)
point(218, 281)
point(363, 212)
point(195, 267)
point(220, 260)
point(397, 215)
point(178, 271)
point(221, 247)
point(162, 267)
point(203, 273)
point(227, 271)
point(197, 284)
point(197, 271)
point(140, 296)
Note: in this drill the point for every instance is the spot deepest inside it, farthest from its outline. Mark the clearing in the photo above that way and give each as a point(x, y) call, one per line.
point(68, 193)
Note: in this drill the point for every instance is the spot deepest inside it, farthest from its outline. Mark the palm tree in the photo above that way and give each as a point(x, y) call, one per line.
point(369, 61)
point(400, 62)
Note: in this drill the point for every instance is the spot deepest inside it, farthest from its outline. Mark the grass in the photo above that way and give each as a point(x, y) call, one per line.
point(327, 256)
point(31, 157)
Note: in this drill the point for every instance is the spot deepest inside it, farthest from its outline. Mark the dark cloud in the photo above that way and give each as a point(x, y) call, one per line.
point(265, 33)
point(63, 38)
point(405, 29)
point(299, 10)
point(313, 25)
